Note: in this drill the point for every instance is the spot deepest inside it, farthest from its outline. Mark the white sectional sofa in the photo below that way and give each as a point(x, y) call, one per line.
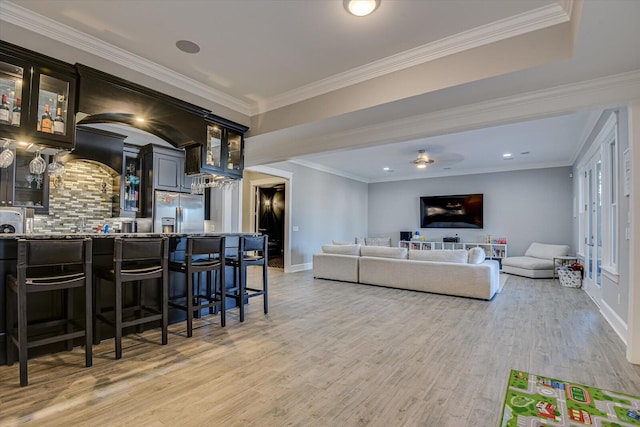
point(537, 262)
point(451, 272)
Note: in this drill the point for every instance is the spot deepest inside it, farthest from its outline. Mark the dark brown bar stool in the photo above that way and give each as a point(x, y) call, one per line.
point(47, 266)
point(204, 255)
point(252, 250)
point(134, 260)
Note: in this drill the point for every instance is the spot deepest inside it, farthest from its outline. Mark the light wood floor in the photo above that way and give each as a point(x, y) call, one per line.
point(331, 354)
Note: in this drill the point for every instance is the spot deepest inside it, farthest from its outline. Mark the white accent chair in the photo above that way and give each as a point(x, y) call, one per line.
point(537, 262)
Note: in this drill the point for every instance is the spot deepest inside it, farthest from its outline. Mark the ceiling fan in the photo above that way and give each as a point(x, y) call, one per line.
point(423, 160)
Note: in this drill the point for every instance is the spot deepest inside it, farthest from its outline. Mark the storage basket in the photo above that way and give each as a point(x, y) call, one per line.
point(570, 278)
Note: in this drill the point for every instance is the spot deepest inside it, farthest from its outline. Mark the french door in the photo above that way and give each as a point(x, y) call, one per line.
point(592, 233)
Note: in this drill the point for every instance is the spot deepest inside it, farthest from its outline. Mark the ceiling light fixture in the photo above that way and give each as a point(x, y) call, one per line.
point(506, 155)
point(423, 160)
point(386, 168)
point(361, 7)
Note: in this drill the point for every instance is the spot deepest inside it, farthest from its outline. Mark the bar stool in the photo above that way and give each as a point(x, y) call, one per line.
point(252, 250)
point(203, 255)
point(134, 259)
point(47, 266)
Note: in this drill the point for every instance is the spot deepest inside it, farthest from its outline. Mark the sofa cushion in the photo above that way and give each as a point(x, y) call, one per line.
point(335, 242)
point(383, 252)
point(458, 256)
point(341, 249)
point(529, 263)
point(546, 251)
point(377, 241)
point(476, 255)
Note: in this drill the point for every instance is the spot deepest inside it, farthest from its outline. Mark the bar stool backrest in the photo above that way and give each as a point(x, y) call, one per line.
point(254, 243)
point(54, 260)
point(137, 255)
point(37, 253)
point(205, 246)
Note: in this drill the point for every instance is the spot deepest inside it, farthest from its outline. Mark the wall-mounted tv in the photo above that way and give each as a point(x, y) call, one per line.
point(461, 211)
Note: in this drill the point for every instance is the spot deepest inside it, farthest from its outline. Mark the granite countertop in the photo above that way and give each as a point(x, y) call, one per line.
point(113, 235)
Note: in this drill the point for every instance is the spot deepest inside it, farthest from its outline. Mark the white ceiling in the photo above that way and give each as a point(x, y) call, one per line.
point(260, 55)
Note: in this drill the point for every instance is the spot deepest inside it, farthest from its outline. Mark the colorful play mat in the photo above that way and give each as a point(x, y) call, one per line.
point(534, 400)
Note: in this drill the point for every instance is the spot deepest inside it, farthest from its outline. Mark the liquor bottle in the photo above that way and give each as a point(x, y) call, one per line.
point(229, 162)
point(58, 123)
point(4, 111)
point(17, 109)
point(46, 124)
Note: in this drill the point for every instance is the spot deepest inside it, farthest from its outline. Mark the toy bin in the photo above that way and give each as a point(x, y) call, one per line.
point(570, 278)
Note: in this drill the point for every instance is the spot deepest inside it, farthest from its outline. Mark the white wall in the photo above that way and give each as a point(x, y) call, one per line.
point(522, 206)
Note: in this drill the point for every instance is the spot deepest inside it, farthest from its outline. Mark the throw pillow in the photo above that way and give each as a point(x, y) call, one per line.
point(383, 252)
point(477, 256)
point(458, 256)
point(377, 241)
point(341, 249)
point(335, 242)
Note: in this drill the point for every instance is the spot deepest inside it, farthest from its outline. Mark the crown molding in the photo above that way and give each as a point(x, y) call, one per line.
point(25, 18)
point(516, 25)
point(479, 171)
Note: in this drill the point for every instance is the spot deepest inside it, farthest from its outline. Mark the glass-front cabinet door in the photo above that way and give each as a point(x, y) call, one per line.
point(11, 88)
point(31, 185)
point(130, 196)
point(234, 152)
point(214, 147)
point(38, 98)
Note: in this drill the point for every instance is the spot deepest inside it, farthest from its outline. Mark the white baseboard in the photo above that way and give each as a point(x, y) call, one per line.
point(299, 267)
point(614, 320)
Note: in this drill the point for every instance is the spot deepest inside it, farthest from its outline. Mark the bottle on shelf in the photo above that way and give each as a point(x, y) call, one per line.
point(17, 110)
point(5, 113)
point(58, 123)
point(229, 162)
point(46, 124)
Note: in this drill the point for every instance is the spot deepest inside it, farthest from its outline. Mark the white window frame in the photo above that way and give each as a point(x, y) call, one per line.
point(608, 140)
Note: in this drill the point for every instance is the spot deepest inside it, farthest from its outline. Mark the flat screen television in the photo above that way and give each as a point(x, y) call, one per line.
point(459, 211)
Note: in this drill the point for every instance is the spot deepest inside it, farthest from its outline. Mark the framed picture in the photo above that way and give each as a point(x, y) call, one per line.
point(626, 164)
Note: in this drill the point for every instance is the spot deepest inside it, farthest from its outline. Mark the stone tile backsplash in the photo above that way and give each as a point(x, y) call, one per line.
point(89, 191)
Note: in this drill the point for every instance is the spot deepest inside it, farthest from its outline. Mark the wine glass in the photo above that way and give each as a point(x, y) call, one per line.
point(7, 156)
point(56, 168)
point(29, 177)
point(39, 179)
point(38, 165)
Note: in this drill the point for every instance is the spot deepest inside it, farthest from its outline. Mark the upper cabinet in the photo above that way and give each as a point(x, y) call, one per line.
point(223, 153)
point(38, 98)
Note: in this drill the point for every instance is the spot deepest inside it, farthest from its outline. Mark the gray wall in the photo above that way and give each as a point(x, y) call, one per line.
point(522, 206)
point(324, 207)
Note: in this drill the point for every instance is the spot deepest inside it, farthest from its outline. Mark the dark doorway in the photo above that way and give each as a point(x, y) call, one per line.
point(270, 218)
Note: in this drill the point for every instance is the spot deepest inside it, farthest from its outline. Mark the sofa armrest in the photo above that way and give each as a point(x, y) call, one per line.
point(336, 267)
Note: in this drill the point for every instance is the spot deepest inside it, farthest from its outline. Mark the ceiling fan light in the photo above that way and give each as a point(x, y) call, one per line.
point(423, 160)
point(361, 7)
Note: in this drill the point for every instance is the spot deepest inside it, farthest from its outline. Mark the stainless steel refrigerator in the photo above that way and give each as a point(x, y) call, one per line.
point(187, 211)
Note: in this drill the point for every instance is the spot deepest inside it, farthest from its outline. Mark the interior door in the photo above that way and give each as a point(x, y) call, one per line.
point(593, 226)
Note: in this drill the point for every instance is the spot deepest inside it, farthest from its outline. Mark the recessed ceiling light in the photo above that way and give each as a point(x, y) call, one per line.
point(386, 168)
point(506, 155)
point(187, 46)
point(361, 7)
point(140, 119)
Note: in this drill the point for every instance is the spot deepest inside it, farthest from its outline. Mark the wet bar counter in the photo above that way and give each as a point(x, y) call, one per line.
point(102, 247)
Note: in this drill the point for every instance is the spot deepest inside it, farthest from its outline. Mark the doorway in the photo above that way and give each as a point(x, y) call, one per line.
point(269, 217)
